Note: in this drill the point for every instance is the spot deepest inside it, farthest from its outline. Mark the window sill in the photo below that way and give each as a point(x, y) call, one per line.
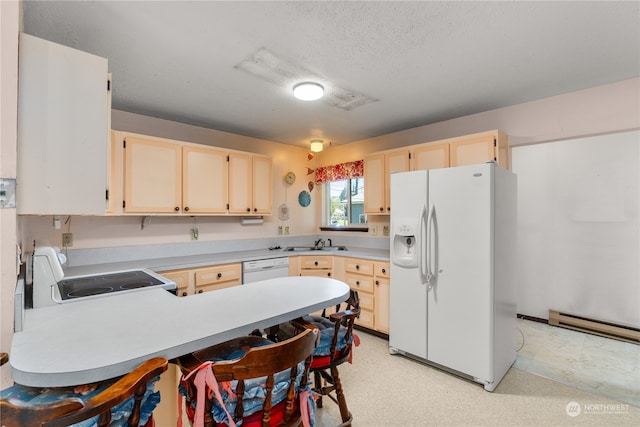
point(364, 229)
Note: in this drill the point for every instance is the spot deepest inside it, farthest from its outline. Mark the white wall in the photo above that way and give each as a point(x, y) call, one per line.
point(578, 227)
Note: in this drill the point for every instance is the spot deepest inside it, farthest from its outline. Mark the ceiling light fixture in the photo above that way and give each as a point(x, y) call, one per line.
point(316, 145)
point(308, 91)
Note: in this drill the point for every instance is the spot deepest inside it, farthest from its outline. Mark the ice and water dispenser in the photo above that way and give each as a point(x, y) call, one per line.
point(405, 250)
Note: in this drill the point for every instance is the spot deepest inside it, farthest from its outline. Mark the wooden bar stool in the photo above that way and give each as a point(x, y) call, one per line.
point(250, 380)
point(131, 397)
point(334, 348)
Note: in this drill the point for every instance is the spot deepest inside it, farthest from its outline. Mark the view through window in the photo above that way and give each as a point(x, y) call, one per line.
point(346, 202)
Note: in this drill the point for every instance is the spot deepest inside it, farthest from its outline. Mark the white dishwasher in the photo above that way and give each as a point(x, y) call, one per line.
point(263, 269)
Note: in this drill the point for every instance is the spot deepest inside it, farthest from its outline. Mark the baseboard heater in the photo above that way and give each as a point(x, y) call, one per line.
point(594, 326)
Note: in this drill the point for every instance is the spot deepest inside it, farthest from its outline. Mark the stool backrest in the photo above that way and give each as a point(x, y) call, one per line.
point(69, 411)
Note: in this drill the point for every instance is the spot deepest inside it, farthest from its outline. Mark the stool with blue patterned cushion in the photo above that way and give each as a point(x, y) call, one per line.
point(250, 381)
point(335, 347)
point(125, 401)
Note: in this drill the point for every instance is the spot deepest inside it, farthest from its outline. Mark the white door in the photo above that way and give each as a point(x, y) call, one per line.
point(460, 238)
point(407, 294)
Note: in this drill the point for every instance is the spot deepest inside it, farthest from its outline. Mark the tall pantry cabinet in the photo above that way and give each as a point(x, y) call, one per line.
point(64, 110)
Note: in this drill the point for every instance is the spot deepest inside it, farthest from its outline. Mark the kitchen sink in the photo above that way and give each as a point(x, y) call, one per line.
point(313, 248)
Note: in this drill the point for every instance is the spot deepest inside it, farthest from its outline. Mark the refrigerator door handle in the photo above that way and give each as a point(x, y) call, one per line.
point(422, 246)
point(429, 276)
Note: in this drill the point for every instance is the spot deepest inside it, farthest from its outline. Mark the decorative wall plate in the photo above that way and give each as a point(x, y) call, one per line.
point(290, 178)
point(304, 198)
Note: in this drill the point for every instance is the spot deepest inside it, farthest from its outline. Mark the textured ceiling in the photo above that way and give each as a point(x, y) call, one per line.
point(415, 62)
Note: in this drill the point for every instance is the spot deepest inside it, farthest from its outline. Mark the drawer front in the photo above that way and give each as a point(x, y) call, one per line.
point(216, 286)
point(319, 262)
point(317, 273)
point(381, 269)
point(366, 301)
point(359, 282)
point(218, 274)
point(365, 319)
point(360, 266)
point(181, 278)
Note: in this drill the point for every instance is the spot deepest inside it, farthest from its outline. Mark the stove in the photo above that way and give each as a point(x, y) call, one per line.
point(50, 287)
point(87, 286)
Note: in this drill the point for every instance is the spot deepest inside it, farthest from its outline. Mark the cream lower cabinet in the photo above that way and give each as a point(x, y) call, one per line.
point(199, 280)
point(371, 280)
point(381, 282)
point(321, 266)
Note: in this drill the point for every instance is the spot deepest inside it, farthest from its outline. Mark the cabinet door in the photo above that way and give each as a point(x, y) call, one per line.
point(152, 176)
point(473, 150)
point(359, 266)
point(204, 181)
point(240, 183)
point(395, 161)
point(431, 156)
point(381, 292)
point(63, 130)
point(316, 262)
point(374, 202)
point(262, 186)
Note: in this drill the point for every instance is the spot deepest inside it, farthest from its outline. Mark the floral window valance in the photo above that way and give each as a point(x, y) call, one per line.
point(339, 172)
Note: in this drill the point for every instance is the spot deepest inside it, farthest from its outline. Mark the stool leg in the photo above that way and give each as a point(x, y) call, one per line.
point(317, 381)
point(342, 402)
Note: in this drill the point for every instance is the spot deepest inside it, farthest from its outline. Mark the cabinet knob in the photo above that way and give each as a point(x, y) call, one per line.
point(357, 267)
point(357, 283)
point(329, 274)
point(315, 263)
point(384, 271)
point(177, 208)
point(255, 209)
point(186, 208)
point(377, 283)
point(184, 294)
point(248, 209)
point(219, 275)
point(200, 291)
point(381, 209)
point(389, 208)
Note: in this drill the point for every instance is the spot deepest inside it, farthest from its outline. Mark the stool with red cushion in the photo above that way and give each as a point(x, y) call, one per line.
point(334, 348)
point(250, 381)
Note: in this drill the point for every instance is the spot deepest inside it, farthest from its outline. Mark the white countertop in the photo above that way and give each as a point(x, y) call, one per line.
point(87, 341)
point(194, 261)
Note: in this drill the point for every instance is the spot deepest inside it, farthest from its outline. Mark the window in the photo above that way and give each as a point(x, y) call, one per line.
point(345, 202)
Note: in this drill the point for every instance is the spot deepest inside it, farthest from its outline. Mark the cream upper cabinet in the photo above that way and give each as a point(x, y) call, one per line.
point(250, 184)
point(152, 176)
point(431, 156)
point(63, 130)
point(204, 180)
point(480, 148)
point(377, 170)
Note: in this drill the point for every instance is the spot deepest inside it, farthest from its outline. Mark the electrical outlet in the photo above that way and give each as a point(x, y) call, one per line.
point(286, 230)
point(194, 234)
point(385, 230)
point(279, 230)
point(67, 239)
point(374, 230)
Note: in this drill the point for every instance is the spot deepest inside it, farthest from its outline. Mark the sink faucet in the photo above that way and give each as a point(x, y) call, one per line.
point(330, 244)
point(319, 244)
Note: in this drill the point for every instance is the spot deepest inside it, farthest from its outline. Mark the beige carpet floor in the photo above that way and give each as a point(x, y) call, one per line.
point(390, 390)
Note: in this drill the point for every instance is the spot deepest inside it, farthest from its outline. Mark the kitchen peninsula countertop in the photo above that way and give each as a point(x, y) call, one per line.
point(95, 339)
point(202, 260)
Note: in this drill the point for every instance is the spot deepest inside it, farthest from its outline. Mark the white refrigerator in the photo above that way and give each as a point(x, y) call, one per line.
point(453, 291)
